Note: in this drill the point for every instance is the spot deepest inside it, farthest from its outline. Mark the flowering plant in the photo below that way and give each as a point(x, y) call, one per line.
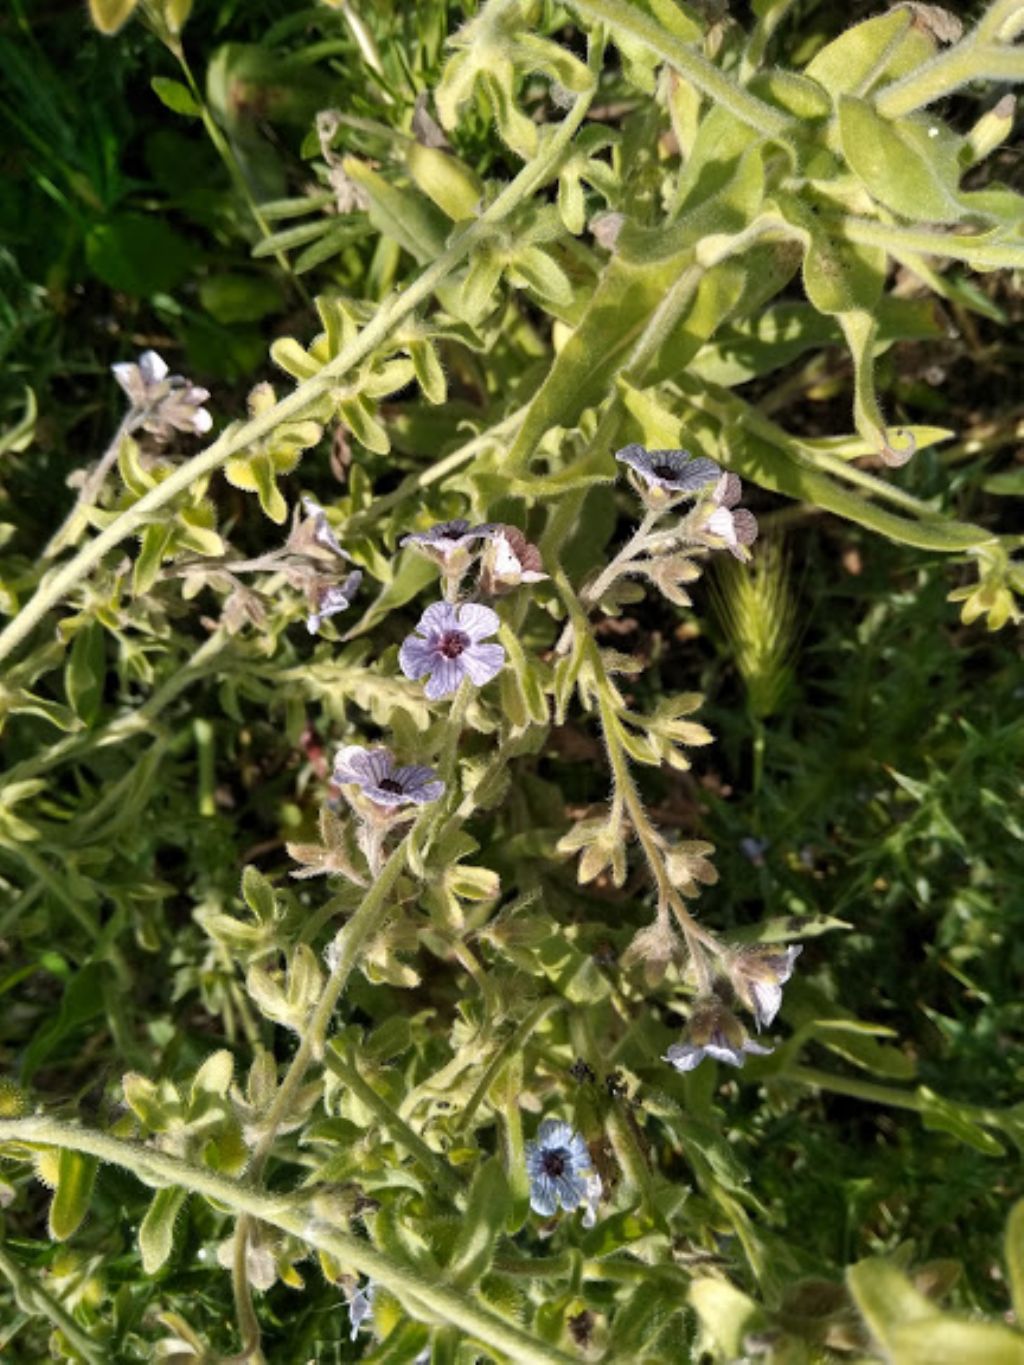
point(394, 768)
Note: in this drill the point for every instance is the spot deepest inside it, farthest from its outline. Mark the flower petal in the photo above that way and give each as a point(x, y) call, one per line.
point(438, 617)
point(543, 1196)
point(446, 676)
point(684, 1056)
point(481, 663)
point(416, 657)
point(478, 621)
point(152, 367)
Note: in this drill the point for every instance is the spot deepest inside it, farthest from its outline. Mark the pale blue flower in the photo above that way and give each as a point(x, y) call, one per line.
point(360, 1306)
point(447, 537)
point(558, 1164)
point(714, 1032)
point(374, 772)
point(448, 647)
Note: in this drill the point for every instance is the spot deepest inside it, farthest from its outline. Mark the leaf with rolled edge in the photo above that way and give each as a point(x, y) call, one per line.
point(947, 1116)
point(156, 1231)
point(726, 1314)
point(76, 1175)
point(109, 15)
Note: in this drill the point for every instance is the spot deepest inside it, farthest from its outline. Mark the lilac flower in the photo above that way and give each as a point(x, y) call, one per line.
point(759, 973)
point(735, 525)
point(163, 402)
point(447, 538)
point(374, 772)
point(558, 1165)
point(671, 472)
point(449, 648)
point(328, 599)
point(715, 1032)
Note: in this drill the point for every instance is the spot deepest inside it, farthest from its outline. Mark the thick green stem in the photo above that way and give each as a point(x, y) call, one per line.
point(979, 253)
point(377, 330)
point(417, 1293)
point(969, 60)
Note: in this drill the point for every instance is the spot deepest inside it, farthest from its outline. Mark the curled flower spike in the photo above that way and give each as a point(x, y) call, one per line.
point(449, 647)
point(509, 559)
point(715, 1032)
point(758, 974)
point(668, 473)
point(447, 538)
point(328, 599)
point(163, 402)
point(374, 772)
point(735, 525)
point(558, 1164)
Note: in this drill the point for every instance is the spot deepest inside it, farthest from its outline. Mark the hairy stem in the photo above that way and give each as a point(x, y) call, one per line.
point(533, 175)
point(419, 1295)
point(33, 1299)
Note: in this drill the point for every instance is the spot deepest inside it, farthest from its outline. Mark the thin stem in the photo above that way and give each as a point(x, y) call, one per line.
point(363, 924)
point(419, 1294)
point(376, 331)
point(90, 490)
point(400, 1132)
point(593, 594)
point(948, 71)
point(33, 1299)
point(629, 19)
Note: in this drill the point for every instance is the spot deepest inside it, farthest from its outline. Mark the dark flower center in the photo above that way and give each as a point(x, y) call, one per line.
point(388, 784)
point(665, 471)
point(452, 643)
point(554, 1162)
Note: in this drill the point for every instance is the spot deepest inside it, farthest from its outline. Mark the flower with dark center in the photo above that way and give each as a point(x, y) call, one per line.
point(758, 974)
point(558, 1164)
point(735, 525)
point(669, 473)
point(448, 646)
point(328, 599)
point(162, 402)
point(376, 775)
point(714, 1031)
point(447, 538)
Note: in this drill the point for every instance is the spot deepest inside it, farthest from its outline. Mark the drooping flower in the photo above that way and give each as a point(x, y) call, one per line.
point(163, 402)
point(714, 1031)
point(668, 473)
point(320, 529)
point(758, 974)
point(447, 538)
point(735, 525)
point(328, 599)
point(558, 1164)
point(376, 775)
point(509, 559)
point(448, 647)
point(360, 1306)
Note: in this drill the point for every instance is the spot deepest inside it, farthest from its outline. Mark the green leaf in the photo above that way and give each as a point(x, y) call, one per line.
point(849, 60)
point(139, 255)
point(911, 166)
point(175, 96)
point(726, 1315)
point(946, 1116)
point(156, 1231)
point(487, 1208)
point(76, 1175)
point(259, 895)
point(453, 186)
point(403, 215)
point(109, 15)
point(156, 541)
point(85, 674)
point(240, 298)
